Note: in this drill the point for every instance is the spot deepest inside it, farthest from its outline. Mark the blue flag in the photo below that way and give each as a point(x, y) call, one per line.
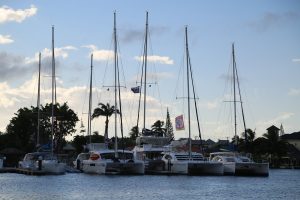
point(136, 89)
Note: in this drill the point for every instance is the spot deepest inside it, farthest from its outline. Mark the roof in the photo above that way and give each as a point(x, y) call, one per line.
point(69, 147)
point(292, 136)
point(273, 128)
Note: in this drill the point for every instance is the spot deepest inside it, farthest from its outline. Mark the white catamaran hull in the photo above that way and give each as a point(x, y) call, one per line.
point(176, 167)
point(94, 167)
point(205, 168)
point(229, 168)
point(251, 169)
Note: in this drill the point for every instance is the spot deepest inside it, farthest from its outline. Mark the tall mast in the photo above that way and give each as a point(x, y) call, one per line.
point(53, 85)
point(234, 93)
point(38, 104)
point(188, 90)
point(242, 109)
point(90, 101)
point(115, 65)
point(145, 63)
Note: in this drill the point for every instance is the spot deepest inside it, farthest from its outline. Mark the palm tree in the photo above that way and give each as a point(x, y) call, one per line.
point(157, 127)
point(134, 132)
point(106, 111)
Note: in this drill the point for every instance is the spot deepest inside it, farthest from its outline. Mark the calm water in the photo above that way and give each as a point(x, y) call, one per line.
point(281, 184)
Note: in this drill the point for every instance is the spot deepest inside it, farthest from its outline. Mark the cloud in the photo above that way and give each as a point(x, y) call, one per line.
point(139, 34)
point(282, 117)
point(8, 14)
point(294, 92)
point(296, 60)
point(5, 39)
point(157, 59)
point(132, 35)
point(269, 20)
point(12, 66)
point(47, 53)
point(100, 55)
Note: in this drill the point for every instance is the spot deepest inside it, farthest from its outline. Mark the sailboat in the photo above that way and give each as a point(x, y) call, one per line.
point(149, 145)
point(188, 162)
point(108, 161)
point(45, 162)
point(234, 162)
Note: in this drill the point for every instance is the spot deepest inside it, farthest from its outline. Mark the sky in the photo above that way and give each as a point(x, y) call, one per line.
point(267, 49)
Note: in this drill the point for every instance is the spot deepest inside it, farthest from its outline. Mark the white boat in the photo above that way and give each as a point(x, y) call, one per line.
point(149, 150)
point(44, 162)
point(243, 164)
point(237, 164)
point(183, 163)
point(180, 158)
point(180, 161)
point(104, 162)
point(79, 159)
point(227, 160)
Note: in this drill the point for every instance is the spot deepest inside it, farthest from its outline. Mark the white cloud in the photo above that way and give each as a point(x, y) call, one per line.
point(281, 118)
point(8, 14)
point(5, 39)
point(294, 92)
point(101, 54)
point(47, 53)
point(157, 59)
point(296, 60)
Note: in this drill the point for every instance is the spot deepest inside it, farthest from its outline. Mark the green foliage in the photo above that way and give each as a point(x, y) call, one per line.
point(106, 111)
point(158, 127)
point(22, 130)
point(169, 126)
point(134, 133)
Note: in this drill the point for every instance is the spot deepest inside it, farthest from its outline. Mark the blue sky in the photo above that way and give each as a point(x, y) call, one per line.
point(265, 33)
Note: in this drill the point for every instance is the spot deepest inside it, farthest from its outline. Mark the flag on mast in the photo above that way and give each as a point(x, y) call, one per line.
point(179, 123)
point(136, 89)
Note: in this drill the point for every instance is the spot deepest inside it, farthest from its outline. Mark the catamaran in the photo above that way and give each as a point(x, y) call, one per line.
point(108, 161)
point(236, 163)
point(44, 161)
point(186, 161)
point(149, 145)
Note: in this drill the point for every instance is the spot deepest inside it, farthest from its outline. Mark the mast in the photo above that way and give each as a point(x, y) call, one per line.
point(234, 94)
point(115, 67)
point(145, 63)
point(242, 109)
point(38, 104)
point(195, 104)
point(53, 85)
point(188, 91)
point(90, 101)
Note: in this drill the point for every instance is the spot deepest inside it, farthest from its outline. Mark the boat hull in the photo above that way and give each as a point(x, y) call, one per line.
point(127, 168)
point(229, 168)
point(205, 168)
point(53, 167)
point(252, 169)
point(93, 167)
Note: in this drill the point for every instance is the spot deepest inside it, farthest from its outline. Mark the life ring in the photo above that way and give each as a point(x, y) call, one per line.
point(94, 156)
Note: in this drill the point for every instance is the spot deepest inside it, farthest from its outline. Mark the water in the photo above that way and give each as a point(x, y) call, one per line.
point(281, 184)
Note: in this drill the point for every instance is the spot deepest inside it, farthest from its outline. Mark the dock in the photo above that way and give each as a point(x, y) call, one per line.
point(22, 171)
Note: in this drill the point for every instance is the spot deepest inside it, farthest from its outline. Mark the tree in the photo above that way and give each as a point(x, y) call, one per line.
point(22, 129)
point(246, 145)
point(64, 123)
point(134, 132)
point(276, 147)
point(169, 127)
point(157, 127)
point(106, 111)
